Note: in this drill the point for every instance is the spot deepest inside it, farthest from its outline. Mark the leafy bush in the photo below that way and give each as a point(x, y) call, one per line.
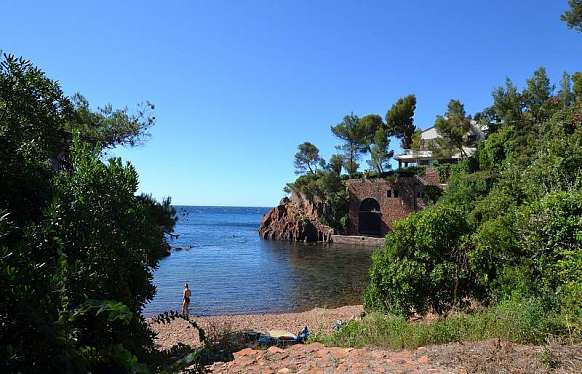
point(77, 245)
point(550, 233)
point(519, 201)
point(410, 171)
point(466, 189)
point(443, 171)
point(431, 194)
point(535, 250)
point(423, 265)
point(495, 150)
point(328, 187)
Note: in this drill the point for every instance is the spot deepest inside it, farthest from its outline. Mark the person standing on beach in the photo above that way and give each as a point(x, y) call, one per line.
point(186, 300)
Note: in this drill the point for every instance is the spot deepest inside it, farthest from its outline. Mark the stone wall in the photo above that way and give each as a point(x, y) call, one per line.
point(432, 177)
point(397, 199)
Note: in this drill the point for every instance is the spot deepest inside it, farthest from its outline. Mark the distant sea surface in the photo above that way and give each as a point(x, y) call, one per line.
point(231, 270)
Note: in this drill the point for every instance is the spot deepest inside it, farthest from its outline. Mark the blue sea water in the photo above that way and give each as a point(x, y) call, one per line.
point(231, 270)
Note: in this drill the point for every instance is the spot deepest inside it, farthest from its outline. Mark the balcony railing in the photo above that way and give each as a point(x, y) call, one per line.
point(414, 153)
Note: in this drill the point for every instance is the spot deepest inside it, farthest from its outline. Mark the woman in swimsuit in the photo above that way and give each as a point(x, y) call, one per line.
point(186, 300)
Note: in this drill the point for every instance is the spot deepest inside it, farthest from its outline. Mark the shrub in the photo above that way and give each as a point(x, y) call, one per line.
point(328, 187)
point(533, 250)
point(550, 233)
point(78, 247)
point(495, 150)
point(422, 267)
point(77, 280)
point(466, 189)
point(431, 194)
point(410, 171)
point(495, 249)
point(522, 321)
point(443, 171)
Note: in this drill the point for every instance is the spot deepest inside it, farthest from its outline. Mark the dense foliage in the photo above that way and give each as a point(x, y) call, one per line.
point(77, 244)
point(510, 222)
point(325, 186)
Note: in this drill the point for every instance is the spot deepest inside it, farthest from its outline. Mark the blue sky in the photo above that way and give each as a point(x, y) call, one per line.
point(238, 85)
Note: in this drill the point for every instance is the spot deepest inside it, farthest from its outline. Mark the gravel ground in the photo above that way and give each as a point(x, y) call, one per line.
point(317, 320)
point(317, 359)
point(490, 356)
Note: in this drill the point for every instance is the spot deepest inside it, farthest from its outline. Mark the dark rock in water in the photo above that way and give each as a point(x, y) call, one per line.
point(295, 219)
point(166, 250)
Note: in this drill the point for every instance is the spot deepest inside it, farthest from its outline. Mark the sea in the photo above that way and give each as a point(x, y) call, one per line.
point(231, 270)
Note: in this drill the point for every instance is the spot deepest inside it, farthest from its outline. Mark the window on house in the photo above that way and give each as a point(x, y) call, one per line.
point(395, 193)
point(418, 194)
point(389, 193)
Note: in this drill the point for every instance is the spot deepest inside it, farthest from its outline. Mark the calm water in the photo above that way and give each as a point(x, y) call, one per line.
point(231, 270)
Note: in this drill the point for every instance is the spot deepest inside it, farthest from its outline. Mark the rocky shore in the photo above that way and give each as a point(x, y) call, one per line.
point(295, 219)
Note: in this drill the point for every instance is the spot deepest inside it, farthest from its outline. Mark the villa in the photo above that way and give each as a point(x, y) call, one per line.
point(424, 155)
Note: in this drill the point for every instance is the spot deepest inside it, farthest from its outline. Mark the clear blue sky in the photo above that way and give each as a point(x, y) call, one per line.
point(237, 85)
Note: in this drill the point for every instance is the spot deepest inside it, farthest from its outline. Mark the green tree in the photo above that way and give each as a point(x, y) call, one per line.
point(111, 127)
point(380, 153)
point(453, 128)
point(307, 159)
point(539, 90)
point(335, 197)
point(336, 163)
point(577, 85)
point(508, 103)
point(565, 94)
point(400, 120)
point(78, 246)
point(416, 143)
point(369, 124)
point(353, 136)
point(573, 16)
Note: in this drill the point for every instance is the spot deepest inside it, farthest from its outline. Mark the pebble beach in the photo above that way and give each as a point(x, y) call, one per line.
point(317, 320)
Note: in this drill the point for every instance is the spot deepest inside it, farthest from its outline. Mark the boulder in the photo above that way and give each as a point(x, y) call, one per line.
point(295, 219)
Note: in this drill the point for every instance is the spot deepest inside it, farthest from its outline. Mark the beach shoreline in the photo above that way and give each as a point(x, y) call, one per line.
point(318, 320)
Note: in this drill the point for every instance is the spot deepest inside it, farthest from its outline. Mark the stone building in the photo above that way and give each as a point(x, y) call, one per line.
point(375, 204)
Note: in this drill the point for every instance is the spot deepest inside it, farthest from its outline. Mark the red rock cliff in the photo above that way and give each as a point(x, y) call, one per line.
point(295, 219)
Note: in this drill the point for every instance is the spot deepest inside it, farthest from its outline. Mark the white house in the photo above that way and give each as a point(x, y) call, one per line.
point(424, 156)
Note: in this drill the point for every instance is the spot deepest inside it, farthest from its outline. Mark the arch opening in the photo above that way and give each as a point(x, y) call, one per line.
point(370, 218)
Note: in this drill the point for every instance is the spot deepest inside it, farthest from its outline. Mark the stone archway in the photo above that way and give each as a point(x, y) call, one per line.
point(370, 218)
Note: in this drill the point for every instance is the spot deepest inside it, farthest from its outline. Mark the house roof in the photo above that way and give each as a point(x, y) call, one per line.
point(429, 134)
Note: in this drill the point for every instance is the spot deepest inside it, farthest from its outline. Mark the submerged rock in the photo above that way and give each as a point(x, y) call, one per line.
point(295, 219)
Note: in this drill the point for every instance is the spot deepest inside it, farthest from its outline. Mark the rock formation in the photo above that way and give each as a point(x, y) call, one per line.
point(295, 219)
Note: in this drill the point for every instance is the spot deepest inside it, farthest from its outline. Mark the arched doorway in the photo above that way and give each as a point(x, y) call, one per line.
point(370, 217)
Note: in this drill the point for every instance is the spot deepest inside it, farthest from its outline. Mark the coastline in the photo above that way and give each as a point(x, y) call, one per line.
point(317, 320)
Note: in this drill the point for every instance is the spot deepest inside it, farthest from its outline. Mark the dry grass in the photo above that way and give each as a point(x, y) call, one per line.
point(497, 356)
